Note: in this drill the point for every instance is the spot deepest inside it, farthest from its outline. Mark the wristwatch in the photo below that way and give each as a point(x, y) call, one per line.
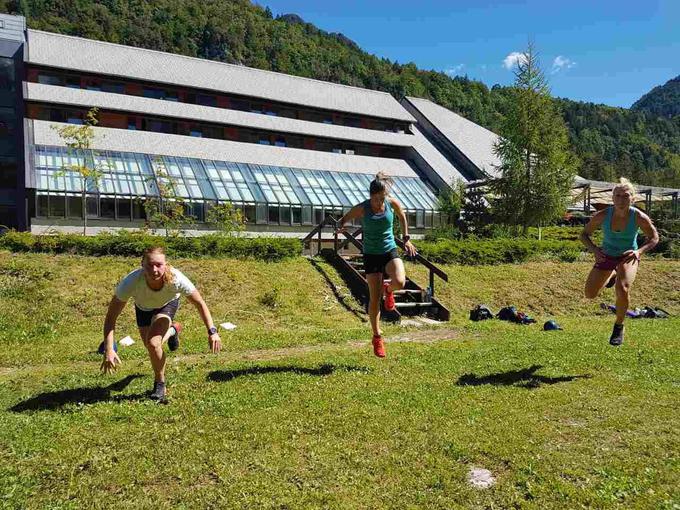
point(406, 239)
point(212, 330)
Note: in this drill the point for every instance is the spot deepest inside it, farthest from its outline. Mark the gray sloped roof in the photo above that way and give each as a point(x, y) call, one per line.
point(474, 141)
point(76, 53)
point(442, 166)
point(147, 142)
point(109, 101)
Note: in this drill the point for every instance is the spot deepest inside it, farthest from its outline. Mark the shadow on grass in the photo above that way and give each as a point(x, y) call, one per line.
point(53, 400)
point(359, 314)
point(321, 371)
point(524, 378)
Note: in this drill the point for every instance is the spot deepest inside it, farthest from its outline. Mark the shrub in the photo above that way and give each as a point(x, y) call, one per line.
point(498, 251)
point(132, 244)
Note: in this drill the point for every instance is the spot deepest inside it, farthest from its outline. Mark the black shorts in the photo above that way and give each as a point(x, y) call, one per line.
point(144, 317)
point(377, 263)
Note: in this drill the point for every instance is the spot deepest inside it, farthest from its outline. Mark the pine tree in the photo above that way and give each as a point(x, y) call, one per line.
point(537, 169)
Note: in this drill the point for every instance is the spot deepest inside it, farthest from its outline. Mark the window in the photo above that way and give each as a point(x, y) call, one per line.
point(49, 79)
point(42, 207)
point(296, 215)
point(274, 214)
point(57, 207)
point(75, 207)
point(132, 124)
point(263, 141)
point(116, 88)
point(306, 215)
point(91, 206)
point(138, 211)
point(159, 126)
point(196, 133)
point(124, 208)
point(107, 208)
point(280, 141)
point(285, 215)
point(261, 214)
point(249, 213)
point(206, 100)
point(241, 105)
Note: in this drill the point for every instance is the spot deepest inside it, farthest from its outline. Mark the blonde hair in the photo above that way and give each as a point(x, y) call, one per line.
point(382, 182)
point(168, 277)
point(627, 185)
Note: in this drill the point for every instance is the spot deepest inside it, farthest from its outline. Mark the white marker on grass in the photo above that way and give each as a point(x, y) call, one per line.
point(127, 341)
point(480, 478)
point(228, 326)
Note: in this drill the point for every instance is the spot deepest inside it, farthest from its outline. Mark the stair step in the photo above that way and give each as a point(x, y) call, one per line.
point(412, 304)
point(407, 291)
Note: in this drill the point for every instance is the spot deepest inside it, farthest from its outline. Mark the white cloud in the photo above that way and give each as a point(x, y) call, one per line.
point(455, 70)
point(512, 59)
point(560, 63)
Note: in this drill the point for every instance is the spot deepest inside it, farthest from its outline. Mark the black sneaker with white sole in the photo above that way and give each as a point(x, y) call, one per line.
point(173, 341)
point(617, 335)
point(158, 392)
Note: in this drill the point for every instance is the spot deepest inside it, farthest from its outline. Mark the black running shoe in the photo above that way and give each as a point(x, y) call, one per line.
point(173, 341)
point(158, 392)
point(617, 335)
point(611, 282)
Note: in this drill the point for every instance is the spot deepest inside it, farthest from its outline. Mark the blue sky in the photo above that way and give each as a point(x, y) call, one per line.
point(609, 52)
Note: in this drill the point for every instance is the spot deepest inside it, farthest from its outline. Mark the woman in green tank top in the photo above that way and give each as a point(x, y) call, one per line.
point(618, 258)
point(380, 250)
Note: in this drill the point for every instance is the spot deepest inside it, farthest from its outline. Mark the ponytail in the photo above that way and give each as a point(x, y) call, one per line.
point(382, 182)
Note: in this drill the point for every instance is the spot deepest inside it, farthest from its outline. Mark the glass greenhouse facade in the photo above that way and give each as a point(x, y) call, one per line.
point(267, 195)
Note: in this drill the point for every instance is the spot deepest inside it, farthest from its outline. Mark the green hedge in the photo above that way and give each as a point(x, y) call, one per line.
point(133, 244)
point(497, 251)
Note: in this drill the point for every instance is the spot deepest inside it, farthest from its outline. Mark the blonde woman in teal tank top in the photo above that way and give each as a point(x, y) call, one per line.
point(380, 250)
point(618, 258)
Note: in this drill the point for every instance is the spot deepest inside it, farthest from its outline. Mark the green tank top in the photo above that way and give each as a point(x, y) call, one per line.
point(615, 243)
point(378, 233)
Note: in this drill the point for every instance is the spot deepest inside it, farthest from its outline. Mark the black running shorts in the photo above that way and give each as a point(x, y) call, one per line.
point(377, 263)
point(144, 317)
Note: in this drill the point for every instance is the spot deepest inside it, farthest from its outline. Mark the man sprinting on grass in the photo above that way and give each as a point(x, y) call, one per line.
point(156, 288)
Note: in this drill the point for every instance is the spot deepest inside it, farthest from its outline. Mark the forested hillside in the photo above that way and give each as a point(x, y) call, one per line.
point(663, 100)
point(609, 141)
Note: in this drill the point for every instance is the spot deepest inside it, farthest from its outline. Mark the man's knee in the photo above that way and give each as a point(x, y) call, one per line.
point(154, 341)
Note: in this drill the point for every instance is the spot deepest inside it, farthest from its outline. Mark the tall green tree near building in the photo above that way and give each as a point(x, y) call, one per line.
point(537, 169)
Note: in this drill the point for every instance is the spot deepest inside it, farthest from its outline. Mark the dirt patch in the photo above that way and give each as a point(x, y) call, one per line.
point(428, 336)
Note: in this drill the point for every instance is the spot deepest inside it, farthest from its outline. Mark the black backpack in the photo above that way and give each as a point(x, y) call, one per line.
point(481, 313)
point(510, 313)
point(653, 313)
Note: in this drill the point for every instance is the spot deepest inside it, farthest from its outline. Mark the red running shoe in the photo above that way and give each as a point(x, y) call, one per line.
point(378, 346)
point(389, 297)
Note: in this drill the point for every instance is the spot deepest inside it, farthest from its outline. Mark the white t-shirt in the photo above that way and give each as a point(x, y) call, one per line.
point(134, 286)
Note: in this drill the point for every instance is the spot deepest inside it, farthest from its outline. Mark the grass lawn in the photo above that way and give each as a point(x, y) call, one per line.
point(296, 413)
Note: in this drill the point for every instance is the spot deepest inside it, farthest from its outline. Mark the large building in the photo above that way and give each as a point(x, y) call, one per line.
point(286, 150)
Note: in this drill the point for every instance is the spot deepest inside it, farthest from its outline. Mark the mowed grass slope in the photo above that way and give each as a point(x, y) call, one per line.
point(561, 419)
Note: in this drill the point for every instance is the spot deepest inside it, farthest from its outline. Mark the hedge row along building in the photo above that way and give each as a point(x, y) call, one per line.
point(286, 150)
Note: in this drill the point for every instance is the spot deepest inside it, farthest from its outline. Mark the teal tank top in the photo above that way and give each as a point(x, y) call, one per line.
point(616, 243)
point(378, 233)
